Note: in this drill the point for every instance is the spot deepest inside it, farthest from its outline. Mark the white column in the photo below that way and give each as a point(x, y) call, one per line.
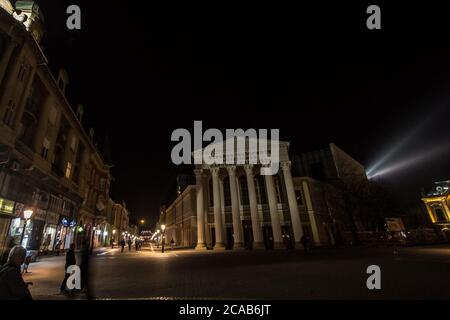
point(200, 211)
point(292, 200)
point(237, 224)
point(274, 217)
point(220, 244)
point(256, 225)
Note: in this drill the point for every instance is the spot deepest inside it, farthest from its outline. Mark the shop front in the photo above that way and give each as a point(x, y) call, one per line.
point(65, 233)
point(7, 214)
point(36, 230)
point(50, 232)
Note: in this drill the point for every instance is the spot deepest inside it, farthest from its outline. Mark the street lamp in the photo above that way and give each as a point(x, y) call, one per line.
point(163, 228)
point(27, 215)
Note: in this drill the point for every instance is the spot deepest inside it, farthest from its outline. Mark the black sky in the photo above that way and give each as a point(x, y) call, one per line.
point(314, 72)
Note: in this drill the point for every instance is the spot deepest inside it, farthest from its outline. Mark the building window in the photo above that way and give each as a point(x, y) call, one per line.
point(244, 190)
point(278, 190)
point(299, 197)
point(439, 213)
point(260, 190)
point(45, 148)
point(9, 114)
point(68, 170)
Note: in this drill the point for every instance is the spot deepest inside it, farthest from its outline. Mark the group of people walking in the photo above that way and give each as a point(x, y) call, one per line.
point(129, 242)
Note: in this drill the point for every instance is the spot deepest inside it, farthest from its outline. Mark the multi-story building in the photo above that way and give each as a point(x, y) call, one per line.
point(234, 206)
point(121, 221)
point(48, 164)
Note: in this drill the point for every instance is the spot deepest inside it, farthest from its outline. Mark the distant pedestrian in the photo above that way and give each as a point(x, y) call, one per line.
point(70, 261)
point(122, 244)
point(58, 247)
point(172, 244)
point(112, 243)
point(304, 241)
point(129, 244)
point(27, 262)
point(12, 286)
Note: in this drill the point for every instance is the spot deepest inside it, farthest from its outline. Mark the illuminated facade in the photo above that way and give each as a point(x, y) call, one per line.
point(48, 163)
point(234, 207)
point(437, 203)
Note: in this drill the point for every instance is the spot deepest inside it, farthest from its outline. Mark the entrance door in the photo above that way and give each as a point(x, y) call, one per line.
point(268, 237)
point(213, 237)
point(230, 238)
point(248, 233)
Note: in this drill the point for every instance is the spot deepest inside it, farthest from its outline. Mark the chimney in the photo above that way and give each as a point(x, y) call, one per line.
point(80, 112)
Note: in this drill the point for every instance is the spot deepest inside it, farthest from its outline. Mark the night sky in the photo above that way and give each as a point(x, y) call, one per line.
point(315, 72)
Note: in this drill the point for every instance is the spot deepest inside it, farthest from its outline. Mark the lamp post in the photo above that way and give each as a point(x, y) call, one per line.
point(27, 215)
point(163, 228)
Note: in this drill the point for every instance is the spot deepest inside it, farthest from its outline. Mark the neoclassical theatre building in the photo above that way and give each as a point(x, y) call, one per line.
point(234, 207)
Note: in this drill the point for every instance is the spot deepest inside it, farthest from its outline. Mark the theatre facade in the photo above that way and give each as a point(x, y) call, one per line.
point(235, 207)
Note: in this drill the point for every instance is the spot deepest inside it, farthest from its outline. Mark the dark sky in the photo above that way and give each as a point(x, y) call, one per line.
point(315, 72)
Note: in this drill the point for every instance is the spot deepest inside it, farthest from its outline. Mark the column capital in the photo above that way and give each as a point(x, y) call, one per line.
point(248, 169)
point(215, 171)
point(286, 165)
point(231, 170)
point(198, 172)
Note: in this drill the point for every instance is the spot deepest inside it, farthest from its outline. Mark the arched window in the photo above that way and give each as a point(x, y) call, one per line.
point(244, 190)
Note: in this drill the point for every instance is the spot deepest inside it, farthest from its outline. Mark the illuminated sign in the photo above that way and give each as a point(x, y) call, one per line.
point(6, 207)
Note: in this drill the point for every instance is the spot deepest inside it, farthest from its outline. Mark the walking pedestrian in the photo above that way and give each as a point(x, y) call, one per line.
point(12, 286)
point(172, 243)
point(122, 244)
point(70, 261)
point(136, 244)
point(58, 246)
point(304, 241)
point(129, 244)
point(85, 270)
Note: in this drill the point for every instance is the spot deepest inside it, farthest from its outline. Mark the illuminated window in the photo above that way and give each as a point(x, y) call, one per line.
point(68, 170)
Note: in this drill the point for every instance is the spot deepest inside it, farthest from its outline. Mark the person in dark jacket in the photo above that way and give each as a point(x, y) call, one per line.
point(122, 244)
point(129, 244)
point(304, 241)
point(70, 261)
point(12, 286)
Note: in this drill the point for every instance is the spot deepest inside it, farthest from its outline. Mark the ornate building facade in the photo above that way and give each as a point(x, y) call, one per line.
point(48, 163)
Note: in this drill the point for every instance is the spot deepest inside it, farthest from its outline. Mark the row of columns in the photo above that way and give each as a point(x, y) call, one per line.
point(237, 223)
